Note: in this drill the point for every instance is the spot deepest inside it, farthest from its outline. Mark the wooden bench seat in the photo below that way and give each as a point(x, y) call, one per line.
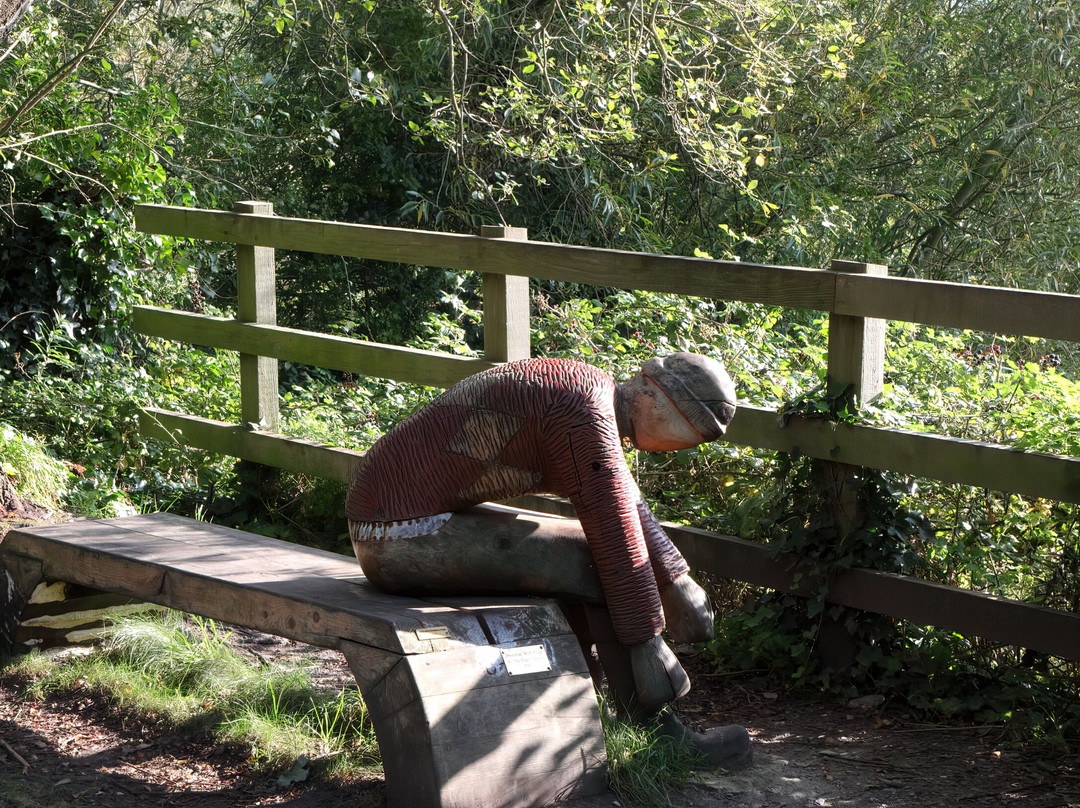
point(475, 701)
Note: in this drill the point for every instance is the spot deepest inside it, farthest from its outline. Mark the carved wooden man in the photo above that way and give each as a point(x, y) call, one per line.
point(553, 426)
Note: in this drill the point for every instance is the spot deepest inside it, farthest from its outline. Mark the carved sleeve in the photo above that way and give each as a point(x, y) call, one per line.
point(605, 500)
point(667, 562)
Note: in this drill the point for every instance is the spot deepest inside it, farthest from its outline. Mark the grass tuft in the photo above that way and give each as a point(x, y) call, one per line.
point(644, 767)
point(183, 672)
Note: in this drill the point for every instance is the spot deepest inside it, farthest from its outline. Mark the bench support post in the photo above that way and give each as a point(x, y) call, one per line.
point(19, 576)
point(456, 729)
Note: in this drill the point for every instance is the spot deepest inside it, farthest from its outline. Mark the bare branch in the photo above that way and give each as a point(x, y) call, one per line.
point(10, 13)
point(69, 67)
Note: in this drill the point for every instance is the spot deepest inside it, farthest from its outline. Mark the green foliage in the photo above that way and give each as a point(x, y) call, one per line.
point(83, 397)
point(982, 387)
point(73, 164)
point(37, 476)
point(51, 484)
point(907, 132)
point(827, 517)
point(935, 138)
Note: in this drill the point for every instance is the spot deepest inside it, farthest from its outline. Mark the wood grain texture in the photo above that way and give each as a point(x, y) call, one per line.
point(973, 613)
point(459, 725)
point(961, 305)
point(999, 468)
point(992, 309)
point(856, 345)
point(293, 345)
point(297, 592)
point(456, 728)
point(506, 306)
point(271, 449)
point(727, 280)
point(256, 302)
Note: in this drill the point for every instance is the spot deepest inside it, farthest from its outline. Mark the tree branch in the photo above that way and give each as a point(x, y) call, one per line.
point(10, 13)
point(69, 67)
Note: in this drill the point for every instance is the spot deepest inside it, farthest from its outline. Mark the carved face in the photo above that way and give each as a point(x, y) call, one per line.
point(658, 425)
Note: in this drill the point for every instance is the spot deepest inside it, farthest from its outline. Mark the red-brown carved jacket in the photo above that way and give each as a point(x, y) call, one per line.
point(533, 426)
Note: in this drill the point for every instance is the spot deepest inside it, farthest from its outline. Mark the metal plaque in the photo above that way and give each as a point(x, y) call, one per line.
point(526, 659)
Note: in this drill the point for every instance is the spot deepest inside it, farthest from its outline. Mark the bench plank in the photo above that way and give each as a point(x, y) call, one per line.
point(299, 592)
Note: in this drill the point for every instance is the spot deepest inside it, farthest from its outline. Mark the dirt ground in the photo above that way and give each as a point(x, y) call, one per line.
point(75, 752)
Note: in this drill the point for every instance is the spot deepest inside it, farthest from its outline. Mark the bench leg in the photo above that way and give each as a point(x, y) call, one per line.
point(19, 576)
point(457, 729)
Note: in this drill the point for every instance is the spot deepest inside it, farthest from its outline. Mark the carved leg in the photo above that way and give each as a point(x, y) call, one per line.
point(615, 660)
point(725, 748)
point(577, 618)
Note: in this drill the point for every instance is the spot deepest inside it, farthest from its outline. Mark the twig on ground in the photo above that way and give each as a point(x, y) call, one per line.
point(15, 755)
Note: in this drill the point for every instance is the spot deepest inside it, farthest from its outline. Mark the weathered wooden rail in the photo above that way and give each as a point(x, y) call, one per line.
point(858, 298)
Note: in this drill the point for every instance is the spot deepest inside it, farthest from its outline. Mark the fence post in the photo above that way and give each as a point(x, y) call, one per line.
point(257, 303)
point(506, 306)
point(856, 361)
point(856, 345)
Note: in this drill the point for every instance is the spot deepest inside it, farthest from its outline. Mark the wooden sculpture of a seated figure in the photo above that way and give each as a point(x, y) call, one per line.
point(556, 426)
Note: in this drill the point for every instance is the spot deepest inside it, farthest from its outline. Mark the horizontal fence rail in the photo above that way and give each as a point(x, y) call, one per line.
point(983, 465)
point(858, 298)
point(981, 308)
point(309, 348)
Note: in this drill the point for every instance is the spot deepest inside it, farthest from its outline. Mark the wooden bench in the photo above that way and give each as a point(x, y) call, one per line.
point(475, 701)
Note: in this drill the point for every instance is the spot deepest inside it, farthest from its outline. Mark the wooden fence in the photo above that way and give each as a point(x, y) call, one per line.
point(858, 297)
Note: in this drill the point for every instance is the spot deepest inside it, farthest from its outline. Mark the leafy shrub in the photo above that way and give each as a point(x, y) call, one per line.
point(37, 476)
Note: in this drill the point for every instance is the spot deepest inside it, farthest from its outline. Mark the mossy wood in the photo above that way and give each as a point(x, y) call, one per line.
point(456, 727)
point(1049, 631)
point(729, 280)
point(921, 454)
point(257, 303)
point(506, 305)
